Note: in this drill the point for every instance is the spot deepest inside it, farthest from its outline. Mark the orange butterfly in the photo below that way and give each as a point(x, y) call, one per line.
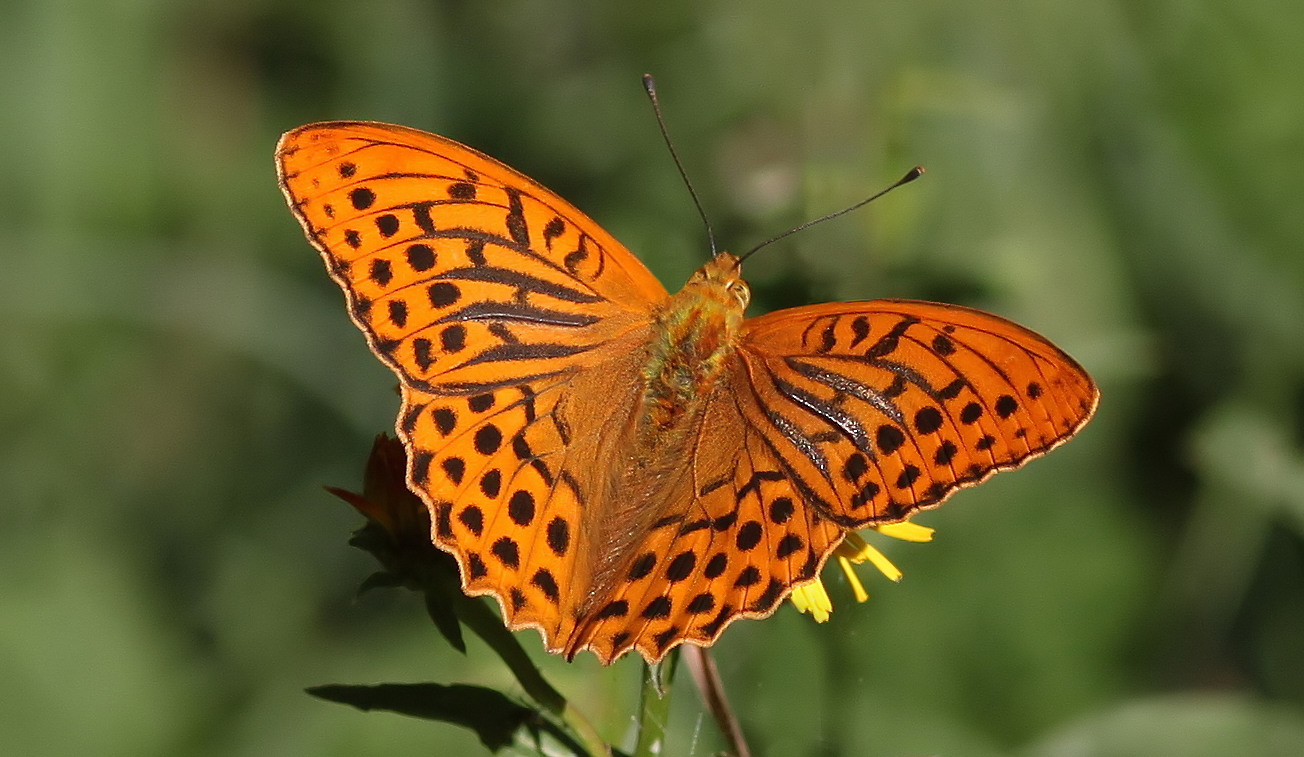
point(625, 469)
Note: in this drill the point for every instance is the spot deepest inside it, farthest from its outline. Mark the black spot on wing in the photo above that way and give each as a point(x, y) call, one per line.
point(362, 198)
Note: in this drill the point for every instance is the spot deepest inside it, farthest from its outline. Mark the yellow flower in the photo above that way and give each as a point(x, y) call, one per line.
point(814, 599)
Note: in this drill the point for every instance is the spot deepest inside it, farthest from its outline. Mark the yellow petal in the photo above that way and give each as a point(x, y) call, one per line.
point(857, 588)
point(906, 531)
point(812, 598)
point(883, 564)
point(853, 548)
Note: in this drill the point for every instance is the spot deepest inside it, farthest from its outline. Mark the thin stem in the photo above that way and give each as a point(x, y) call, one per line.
point(476, 615)
point(701, 665)
point(588, 735)
point(654, 706)
point(488, 626)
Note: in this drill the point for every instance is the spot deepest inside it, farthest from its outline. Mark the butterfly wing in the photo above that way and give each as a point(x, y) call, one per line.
point(436, 244)
point(835, 417)
point(884, 408)
point(511, 321)
point(732, 542)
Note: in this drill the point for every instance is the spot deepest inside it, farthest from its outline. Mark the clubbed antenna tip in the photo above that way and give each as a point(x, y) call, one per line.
point(910, 176)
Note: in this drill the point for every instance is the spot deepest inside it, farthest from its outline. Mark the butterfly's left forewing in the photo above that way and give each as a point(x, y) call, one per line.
point(883, 408)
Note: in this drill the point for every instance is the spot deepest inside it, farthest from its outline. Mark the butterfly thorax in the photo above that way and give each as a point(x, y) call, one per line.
point(695, 332)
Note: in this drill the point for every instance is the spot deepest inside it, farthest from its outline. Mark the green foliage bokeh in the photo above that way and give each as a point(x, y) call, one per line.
point(179, 376)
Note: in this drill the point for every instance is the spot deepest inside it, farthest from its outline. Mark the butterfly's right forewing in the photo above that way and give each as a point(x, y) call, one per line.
point(488, 296)
point(465, 275)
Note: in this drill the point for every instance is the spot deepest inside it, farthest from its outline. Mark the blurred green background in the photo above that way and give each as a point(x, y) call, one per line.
point(179, 376)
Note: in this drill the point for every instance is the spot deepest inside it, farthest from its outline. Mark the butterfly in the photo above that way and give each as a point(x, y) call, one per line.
point(626, 469)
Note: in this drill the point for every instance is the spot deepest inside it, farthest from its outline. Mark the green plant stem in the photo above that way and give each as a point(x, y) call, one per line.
point(483, 622)
point(587, 734)
point(654, 706)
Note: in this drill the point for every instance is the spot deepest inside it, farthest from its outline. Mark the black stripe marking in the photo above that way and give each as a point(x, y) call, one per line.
point(663, 638)
point(767, 599)
point(896, 388)
point(547, 584)
point(754, 483)
point(844, 422)
point(410, 418)
point(573, 259)
point(522, 281)
point(573, 485)
point(554, 229)
point(829, 339)
point(713, 628)
point(516, 226)
point(421, 216)
point(712, 486)
point(523, 351)
point(420, 469)
point(514, 311)
point(563, 429)
point(859, 330)
point(475, 252)
point(667, 520)
point(889, 342)
point(877, 400)
point(794, 435)
point(617, 609)
point(725, 522)
point(696, 525)
point(466, 388)
point(951, 390)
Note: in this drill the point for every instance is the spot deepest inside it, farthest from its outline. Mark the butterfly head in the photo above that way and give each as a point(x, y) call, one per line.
point(721, 280)
point(698, 327)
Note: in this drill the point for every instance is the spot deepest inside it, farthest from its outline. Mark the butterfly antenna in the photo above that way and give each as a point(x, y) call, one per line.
point(650, 86)
point(910, 176)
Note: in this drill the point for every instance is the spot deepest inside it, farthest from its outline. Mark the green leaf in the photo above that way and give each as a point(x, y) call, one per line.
point(379, 580)
point(493, 716)
point(445, 619)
